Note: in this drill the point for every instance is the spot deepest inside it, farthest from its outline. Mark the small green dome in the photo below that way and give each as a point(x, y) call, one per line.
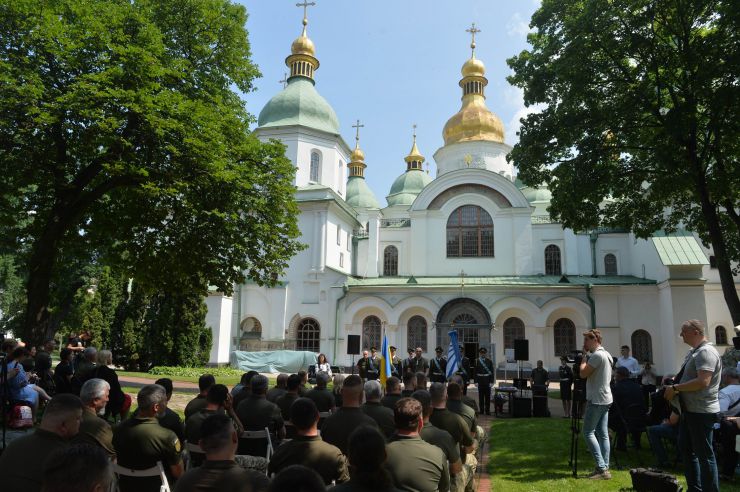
point(407, 186)
point(359, 194)
point(537, 194)
point(299, 104)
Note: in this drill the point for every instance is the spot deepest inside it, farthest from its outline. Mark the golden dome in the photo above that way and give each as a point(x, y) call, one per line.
point(414, 155)
point(357, 155)
point(474, 121)
point(303, 46)
point(473, 68)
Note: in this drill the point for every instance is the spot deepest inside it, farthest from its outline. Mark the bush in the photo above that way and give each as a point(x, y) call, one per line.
point(194, 372)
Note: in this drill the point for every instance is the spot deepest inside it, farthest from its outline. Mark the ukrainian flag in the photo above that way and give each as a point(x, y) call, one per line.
point(385, 361)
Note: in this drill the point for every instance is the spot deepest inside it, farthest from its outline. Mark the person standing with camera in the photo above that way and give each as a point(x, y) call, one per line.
point(596, 368)
point(697, 388)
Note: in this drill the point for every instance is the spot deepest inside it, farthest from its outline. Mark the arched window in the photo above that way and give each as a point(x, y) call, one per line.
point(610, 264)
point(416, 333)
point(469, 232)
point(315, 174)
point(390, 261)
point(371, 332)
point(642, 346)
point(720, 335)
point(552, 260)
point(308, 336)
point(513, 330)
point(565, 336)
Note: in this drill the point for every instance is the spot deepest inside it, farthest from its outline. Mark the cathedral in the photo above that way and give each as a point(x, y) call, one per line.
point(471, 249)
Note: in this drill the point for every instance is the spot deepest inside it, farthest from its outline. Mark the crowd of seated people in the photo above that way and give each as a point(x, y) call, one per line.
point(356, 436)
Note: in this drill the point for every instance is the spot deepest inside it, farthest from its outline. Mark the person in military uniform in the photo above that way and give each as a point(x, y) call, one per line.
point(322, 397)
point(439, 437)
point(484, 378)
point(408, 363)
point(464, 370)
point(285, 401)
point(307, 448)
point(23, 462)
point(396, 365)
point(205, 381)
point(392, 392)
point(409, 384)
point(363, 364)
point(438, 367)
point(339, 425)
point(420, 364)
point(374, 409)
point(367, 459)
point(170, 420)
point(413, 463)
point(140, 442)
point(95, 430)
point(256, 413)
point(373, 365)
point(540, 376)
point(219, 401)
point(219, 472)
point(78, 468)
point(280, 388)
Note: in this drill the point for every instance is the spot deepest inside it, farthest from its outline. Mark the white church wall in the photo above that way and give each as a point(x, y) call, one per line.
point(480, 154)
point(219, 320)
point(543, 236)
point(337, 251)
point(619, 246)
point(717, 312)
point(645, 262)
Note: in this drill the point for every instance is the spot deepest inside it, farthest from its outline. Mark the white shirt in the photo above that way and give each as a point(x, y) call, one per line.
point(325, 367)
point(630, 363)
point(727, 396)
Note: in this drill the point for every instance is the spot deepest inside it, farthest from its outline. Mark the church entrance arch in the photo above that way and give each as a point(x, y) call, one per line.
point(472, 322)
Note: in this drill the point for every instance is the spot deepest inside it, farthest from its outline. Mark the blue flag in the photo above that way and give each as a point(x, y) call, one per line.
point(453, 355)
point(385, 361)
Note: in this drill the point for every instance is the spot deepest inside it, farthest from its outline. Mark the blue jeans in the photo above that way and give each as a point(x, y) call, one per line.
point(655, 435)
point(695, 443)
point(596, 433)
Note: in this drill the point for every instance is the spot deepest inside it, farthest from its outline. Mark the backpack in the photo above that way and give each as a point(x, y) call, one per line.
point(20, 417)
point(654, 480)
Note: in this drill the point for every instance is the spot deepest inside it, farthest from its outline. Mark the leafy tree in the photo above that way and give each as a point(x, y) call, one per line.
point(125, 143)
point(640, 121)
point(12, 296)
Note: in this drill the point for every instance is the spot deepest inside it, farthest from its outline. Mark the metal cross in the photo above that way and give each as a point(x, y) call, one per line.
point(307, 4)
point(285, 80)
point(358, 126)
point(472, 31)
point(414, 126)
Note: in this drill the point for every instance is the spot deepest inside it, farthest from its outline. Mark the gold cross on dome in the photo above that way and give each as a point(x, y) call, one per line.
point(305, 6)
point(473, 32)
point(414, 127)
point(358, 126)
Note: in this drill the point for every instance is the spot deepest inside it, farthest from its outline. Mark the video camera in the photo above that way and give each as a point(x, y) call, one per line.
point(575, 357)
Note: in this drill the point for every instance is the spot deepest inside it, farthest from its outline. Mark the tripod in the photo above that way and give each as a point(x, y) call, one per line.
point(579, 399)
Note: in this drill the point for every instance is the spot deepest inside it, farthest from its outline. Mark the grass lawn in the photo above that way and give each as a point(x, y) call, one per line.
point(532, 455)
point(227, 380)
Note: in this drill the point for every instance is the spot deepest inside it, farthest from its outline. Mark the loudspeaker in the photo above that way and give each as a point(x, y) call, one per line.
point(353, 344)
point(521, 349)
point(539, 407)
point(522, 407)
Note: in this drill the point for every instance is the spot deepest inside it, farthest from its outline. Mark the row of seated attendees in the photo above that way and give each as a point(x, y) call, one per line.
point(357, 437)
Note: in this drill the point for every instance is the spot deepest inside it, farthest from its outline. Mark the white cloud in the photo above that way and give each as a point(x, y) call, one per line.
point(514, 99)
point(517, 26)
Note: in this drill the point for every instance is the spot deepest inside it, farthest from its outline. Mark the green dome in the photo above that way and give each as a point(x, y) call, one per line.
point(359, 194)
point(299, 104)
point(537, 194)
point(407, 186)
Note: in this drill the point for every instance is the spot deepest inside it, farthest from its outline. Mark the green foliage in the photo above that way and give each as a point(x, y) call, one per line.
point(123, 134)
point(12, 295)
point(640, 120)
point(195, 372)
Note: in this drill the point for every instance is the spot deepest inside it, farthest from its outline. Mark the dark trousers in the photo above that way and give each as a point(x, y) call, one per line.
point(695, 443)
point(484, 394)
point(727, 432)
point(647, 390)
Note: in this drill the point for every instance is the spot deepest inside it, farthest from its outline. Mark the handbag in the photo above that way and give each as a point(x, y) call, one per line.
point(654, 480)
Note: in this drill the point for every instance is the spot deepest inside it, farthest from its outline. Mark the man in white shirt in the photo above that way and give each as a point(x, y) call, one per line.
point(626, 360)
point(729, 396)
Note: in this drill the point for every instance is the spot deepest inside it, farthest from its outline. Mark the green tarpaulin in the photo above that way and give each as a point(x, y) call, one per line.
point(275, 361)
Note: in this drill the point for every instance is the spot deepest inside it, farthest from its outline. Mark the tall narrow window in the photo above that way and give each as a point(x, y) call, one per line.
point(552, 260)
point(565, 336)
point(416, 333)
point(469, 233)
point(513, 330)
point(308, 335)
point(315, 174)
point(642, 346)
point(390, 261)
point(610, 264)
point(371, 332)
point(720, 335)
point(339, 235)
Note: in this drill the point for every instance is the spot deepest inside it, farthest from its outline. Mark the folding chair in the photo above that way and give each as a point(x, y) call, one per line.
point(156, 470)
point(193, 448)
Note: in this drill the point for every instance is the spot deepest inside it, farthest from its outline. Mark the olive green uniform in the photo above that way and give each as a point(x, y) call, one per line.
point(97, 432)
point(192, 432)
point(327, 460)
point(442, 439)
point(464, 411)
point(140, 443)
point(390, 401)
point(22, 463)
point(323, 398)
point(284, 403)
point(274, 393)
point(452, 423)
point(172, 421)
point(339, 425)
point(255, 413)
point(416, 465)
point(195, 405)
point(222, 476)
point(382, 416)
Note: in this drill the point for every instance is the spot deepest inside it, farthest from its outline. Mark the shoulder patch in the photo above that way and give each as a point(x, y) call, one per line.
point(177, 445)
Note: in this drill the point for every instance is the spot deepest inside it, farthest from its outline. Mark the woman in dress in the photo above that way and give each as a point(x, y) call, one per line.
point(323, 366)
point(566, 380)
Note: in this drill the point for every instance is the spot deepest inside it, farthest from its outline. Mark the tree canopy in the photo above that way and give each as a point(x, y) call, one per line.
point(124, 141)
point(640, 119)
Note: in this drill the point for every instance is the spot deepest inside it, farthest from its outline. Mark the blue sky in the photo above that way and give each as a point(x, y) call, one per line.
point(391, 64)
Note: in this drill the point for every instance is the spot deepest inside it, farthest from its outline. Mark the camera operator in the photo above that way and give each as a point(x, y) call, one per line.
point(596, 368)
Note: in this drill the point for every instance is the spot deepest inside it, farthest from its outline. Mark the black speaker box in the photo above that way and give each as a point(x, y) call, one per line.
point(353, 344)
point(521, 349)
point(522, 407)
point(539, 406)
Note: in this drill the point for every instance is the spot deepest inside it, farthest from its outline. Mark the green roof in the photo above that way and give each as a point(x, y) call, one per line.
point(299, 104)
point(359, 194)
point(679, 248)
point(524, 281)
point(407, 186)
